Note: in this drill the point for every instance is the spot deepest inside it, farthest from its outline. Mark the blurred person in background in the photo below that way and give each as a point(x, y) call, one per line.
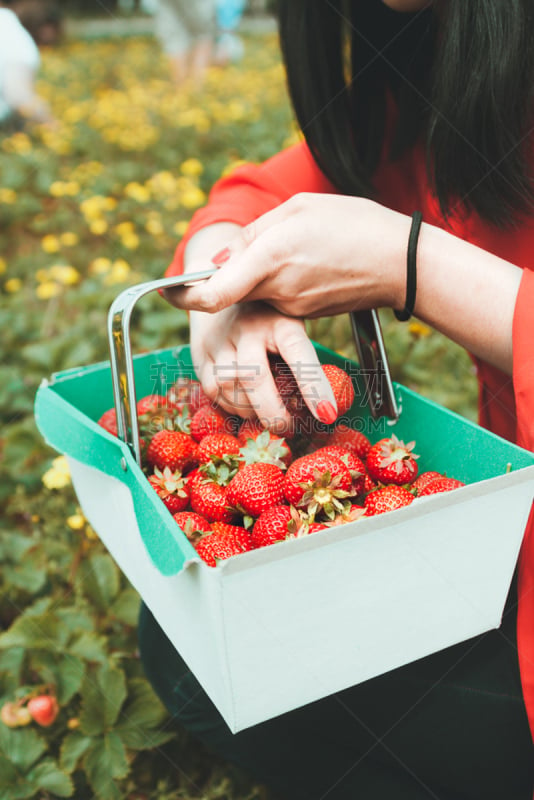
point(186, 31)
point(229, 46)
point(25, 26)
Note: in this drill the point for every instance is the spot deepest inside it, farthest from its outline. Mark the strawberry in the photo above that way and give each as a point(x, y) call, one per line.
point(15, 715)
point(441, 484)
point(266, 448)
point(209, 419)
point(350, 439)
point(249, 429)
point(43, 709)
point(387, 498)
point(274, 525)
point(209, 499)
point(423, 479)
point(222, 543)
point(392, 461)
point(355, 465)
point(217, 444)
point(171, 487)
point(150, 403)
point(187, 393)
point(342, 387)
point(256, 487)
point(193, 525)
point(317, 479)
point(108, 421)
point(172, 449)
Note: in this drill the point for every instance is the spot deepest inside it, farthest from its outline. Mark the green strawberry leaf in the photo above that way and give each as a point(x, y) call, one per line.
point(104, 762)
point(73, 746)
point(21, 747)
point(99, 580)
point(47, 776)
point(103, 693)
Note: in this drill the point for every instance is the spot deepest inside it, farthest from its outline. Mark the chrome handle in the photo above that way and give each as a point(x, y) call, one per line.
point(120, 348)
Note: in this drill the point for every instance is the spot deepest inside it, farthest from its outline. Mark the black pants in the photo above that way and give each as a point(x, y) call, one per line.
point(451, 726)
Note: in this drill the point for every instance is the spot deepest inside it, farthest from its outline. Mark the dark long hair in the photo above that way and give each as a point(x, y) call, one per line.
point(461, 73)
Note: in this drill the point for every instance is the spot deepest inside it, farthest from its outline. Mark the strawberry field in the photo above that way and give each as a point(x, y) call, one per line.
point(88, 207)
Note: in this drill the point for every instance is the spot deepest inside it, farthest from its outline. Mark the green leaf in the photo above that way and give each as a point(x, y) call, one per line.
point(90, 647)
point(126, 607)
point(34, 632)
point(105, 762)
point(11, 662)
point(103, 693)
point(140, 717)
point(73, 746)
point(69, 674)
point(47, 776)
point(99, 579)
point(22, 747)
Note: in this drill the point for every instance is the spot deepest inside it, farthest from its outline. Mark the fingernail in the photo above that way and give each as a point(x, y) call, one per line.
point(221, 257)
point(326, 412)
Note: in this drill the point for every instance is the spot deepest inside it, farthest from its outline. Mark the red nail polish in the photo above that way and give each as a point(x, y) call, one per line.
point(326, 412)
point(221, 257)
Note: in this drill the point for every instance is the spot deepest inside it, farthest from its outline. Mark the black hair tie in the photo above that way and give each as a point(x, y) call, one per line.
point(411, 269)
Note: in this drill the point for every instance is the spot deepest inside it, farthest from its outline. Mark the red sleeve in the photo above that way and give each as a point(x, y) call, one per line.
point(252, 190)
point(523, 343)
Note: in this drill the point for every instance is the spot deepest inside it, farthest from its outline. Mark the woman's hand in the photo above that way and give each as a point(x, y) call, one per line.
point(229, 351)
point(315, 255)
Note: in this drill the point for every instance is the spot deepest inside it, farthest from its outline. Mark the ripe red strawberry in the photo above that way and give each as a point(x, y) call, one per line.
point(108, 421)
point(273, 525)
point(249, 429)
point(193, 525)
point(187, 393)
point(350, 439)
point(266, 448)
point(171, 487)
point(256, 487)
point(423, 479)
point(342, 387)
point(388, 498)
point(172, 449)
point(209, 419)
point(209, 498)
point(44, 709)
point(227, 541)
point(217, 444)
point(325, 476)
point(392, 461)
point(355, 465)
point(441, 484)
point(150, 403)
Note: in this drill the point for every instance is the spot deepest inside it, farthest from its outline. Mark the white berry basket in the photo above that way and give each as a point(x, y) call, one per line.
point(311, 616)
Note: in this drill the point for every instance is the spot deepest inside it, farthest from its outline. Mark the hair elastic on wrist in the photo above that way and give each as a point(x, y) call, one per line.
point(411, 269)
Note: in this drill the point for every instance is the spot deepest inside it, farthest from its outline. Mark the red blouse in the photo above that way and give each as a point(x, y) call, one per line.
point(506, 405)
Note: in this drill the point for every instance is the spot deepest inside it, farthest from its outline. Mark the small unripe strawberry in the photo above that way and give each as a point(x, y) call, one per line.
point(14, 715)
point(43, 709)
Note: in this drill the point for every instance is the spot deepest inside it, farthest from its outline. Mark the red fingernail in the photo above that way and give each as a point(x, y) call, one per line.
point(221, 257)
point(326, 412)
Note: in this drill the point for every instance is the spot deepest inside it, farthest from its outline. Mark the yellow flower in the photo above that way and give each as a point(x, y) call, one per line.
point(154, 226)
point(192, 167)
point(419, 329)
point(137, 192)
point(130, 241)
point(76, 522)
point(13, 285)
point(47, 290)
point(7, 196)
point(124, 228)
point(64, 188)
point(100, 266)
point(3, 265)
point(50, 243)
point(58, 476)
point(180, 227)
point(192, 197)
point(119, 273)
point(65, 274)
point(69, 239)
point(98, 226)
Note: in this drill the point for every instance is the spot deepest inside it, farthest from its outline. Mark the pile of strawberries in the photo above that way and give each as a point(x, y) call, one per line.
point(233, 486)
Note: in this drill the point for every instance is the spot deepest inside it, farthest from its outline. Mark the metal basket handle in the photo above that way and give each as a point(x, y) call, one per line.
point(365, 327)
